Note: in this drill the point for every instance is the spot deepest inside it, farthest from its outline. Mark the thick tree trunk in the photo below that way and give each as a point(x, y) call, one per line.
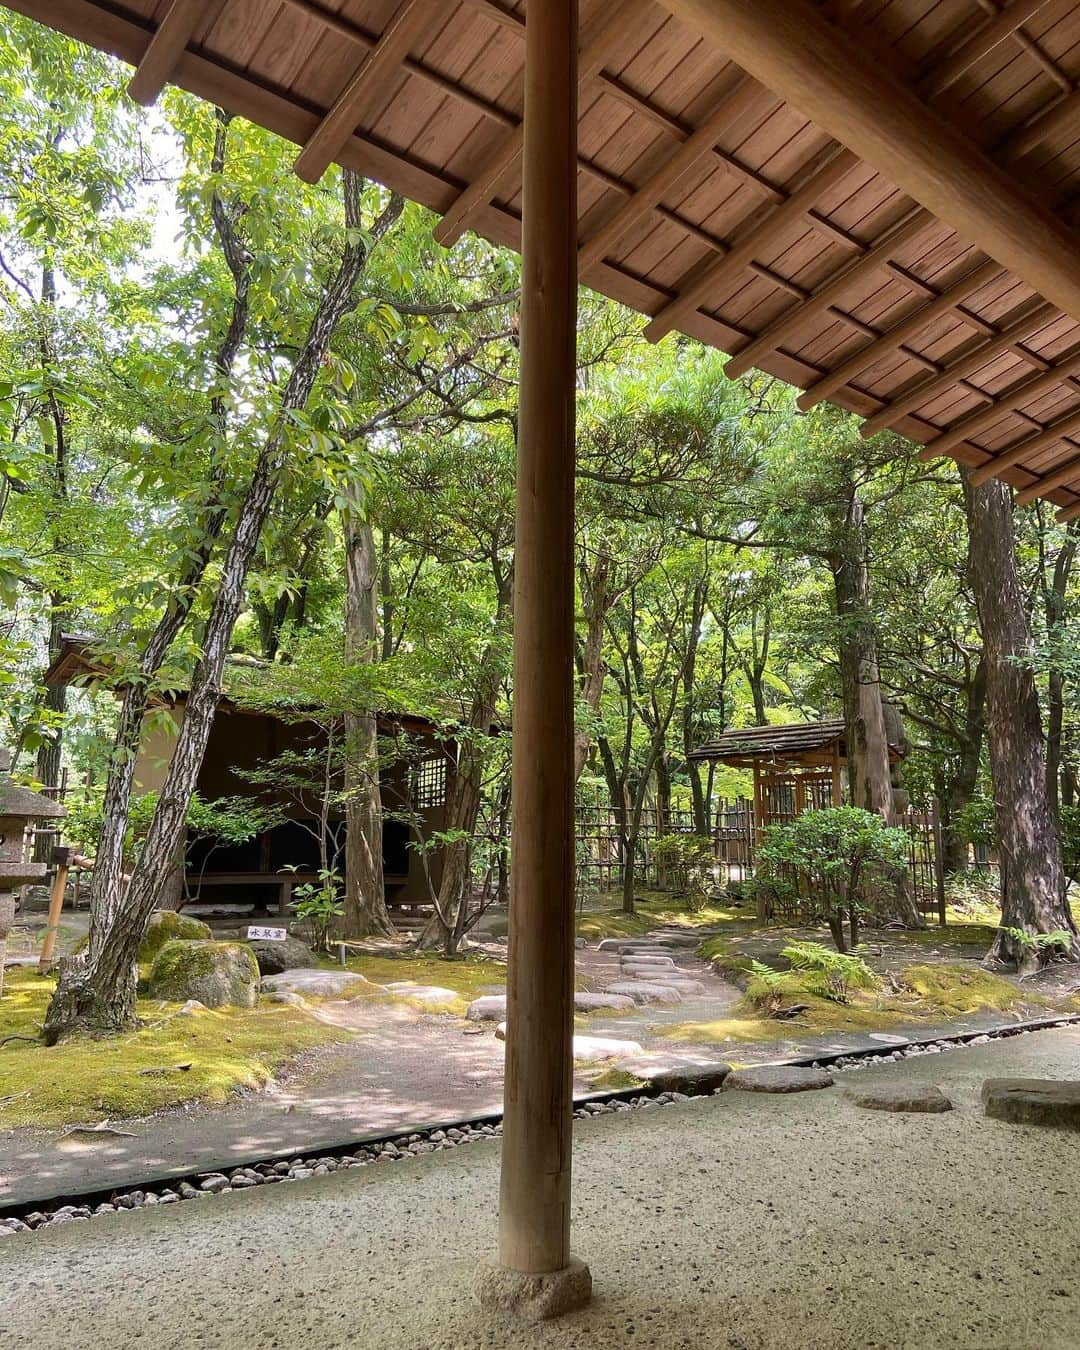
point(961, 787)
point(869, 769)
point(365, 889)
point(1029, 844)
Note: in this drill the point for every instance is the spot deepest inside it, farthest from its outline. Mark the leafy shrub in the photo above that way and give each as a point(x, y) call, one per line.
point(318, 907)
point(972, 891)
point(689, 860)
point(832, 855)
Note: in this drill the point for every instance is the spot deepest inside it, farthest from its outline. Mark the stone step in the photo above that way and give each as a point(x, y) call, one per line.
point(645, 991)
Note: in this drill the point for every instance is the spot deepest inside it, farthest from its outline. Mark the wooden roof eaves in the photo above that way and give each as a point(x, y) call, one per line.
point(292, 117)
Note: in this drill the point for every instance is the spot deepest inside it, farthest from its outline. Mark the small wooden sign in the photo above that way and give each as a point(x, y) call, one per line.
point(269, 934)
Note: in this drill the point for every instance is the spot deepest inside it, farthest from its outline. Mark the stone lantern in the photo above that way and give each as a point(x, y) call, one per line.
point(20, 811)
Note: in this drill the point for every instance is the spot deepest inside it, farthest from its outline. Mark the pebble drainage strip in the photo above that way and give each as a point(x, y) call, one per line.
point(393, 1148)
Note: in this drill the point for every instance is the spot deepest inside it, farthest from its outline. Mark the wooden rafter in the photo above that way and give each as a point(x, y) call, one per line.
point(595, 47)
point(1063, 476)
point(998, 28)
point(371, 80)
point(966, 365)
point(977, 422)
point(821, 301)
point(700, 281)
point(791, 48)
point(847, 370)
point(1027, 446)
point(735, 104)
point(168, 44)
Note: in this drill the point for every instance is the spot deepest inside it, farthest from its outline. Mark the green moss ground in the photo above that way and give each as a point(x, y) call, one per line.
point(84, 1081)
point(951, 990)
point(468, 977)
point(654, 909)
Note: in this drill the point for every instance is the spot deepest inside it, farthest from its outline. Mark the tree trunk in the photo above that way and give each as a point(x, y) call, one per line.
point(365, 888)
point(869, 769)
point(961, 787)
point(449, 920)
point(98, 993)
point(1055, 606)
point(596, 600)
point(1029, 844)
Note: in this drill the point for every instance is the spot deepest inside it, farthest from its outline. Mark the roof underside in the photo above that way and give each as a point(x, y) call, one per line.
point(775, 244)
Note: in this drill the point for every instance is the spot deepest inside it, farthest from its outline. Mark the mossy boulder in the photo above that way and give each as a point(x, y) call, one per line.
point(167, 926)
point(218, 974)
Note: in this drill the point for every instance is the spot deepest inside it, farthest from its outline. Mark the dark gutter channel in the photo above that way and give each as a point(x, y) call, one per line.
point(668, 1082)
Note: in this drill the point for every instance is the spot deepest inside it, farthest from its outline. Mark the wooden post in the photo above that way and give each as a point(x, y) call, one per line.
point(534, 1217)
point(937, 845)
point(62, 858)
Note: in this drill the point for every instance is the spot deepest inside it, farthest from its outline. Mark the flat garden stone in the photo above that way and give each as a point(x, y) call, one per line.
point(1033, 1101)
point(604, 1047)
point(695, 1079)
point(648, 959)
point(314, 982)
point(778, 1078)
point(488, 1008)
point(585, 1002)
point(922, 1097)
point(645, 991)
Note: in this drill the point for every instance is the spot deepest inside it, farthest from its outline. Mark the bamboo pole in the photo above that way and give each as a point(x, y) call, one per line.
point(62, 859)
point(534, 1218)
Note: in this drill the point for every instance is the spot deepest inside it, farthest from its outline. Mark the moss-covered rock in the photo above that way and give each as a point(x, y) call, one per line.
point(218, 974)
point(167, 926)
point(275, 957)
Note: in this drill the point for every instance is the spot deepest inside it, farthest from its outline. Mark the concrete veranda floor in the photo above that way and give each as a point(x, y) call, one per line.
point(741, 1221)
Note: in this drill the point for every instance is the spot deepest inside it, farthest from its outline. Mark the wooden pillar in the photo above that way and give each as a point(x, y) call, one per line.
point(534, 1218)
point(61, 858)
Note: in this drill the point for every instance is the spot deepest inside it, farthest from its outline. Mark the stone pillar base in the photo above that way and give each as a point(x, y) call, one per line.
point(533, 1298)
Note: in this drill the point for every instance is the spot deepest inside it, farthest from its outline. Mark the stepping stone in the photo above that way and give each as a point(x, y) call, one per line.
point(778, 1078)
point(695, 1079)
point(1033, 1101)
point(592, 1002)
point(887, 1038)
point(422, 993)
point(900, 1097)
point(647, 962)
point(314, 983)
point(645, 991)
point(489, 1008)
point(685, 986)
point(604, 1047)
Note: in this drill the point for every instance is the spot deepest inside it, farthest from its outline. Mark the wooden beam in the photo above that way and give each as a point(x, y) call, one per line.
point(979, 421)
point(1058, 116)
point(1063, 476)
point(347, 29)
point(792, 49)
point(534, 1211)
point(701, 281)
point(878, 255)
point(967, 365)
point(371, 80)
point(980, 44)
point(696, 147)
point(914, 323)
point(1068, 513)
point(166, 47)
point(1026, 447)
point(610, 25)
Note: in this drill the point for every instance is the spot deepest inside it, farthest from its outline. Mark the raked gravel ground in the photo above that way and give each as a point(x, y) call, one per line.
point(742, 1221)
